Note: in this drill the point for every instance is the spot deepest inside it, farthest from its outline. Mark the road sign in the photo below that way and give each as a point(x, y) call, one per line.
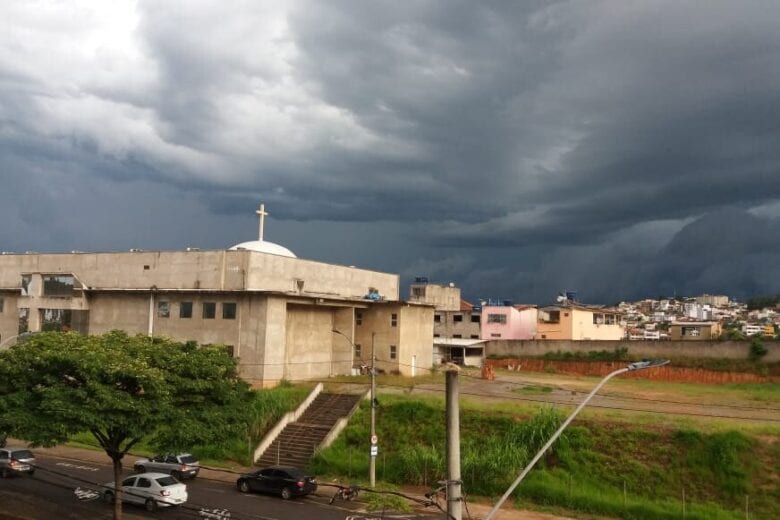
point(374, 450)
point(374, 439)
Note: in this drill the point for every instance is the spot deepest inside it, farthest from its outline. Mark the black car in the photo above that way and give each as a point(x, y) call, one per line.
point(284, 481)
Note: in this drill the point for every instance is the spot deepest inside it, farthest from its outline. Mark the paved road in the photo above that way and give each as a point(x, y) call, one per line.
point(50, 494)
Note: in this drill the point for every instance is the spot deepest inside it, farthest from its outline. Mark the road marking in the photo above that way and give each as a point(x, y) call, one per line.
point(77, 466)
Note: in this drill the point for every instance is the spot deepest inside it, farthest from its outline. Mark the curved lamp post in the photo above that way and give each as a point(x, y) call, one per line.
point(632, 367)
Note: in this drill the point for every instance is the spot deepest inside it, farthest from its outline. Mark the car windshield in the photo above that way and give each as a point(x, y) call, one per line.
point(167, 481)
point(22, 454)
point(188, 459)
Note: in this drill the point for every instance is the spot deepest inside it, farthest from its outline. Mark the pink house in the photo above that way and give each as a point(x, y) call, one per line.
point(508, 322)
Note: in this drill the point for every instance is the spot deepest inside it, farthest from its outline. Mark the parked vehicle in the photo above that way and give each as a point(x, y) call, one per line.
point(284, 481)
point(14, 461)
point(180, 466)
point(152, 490)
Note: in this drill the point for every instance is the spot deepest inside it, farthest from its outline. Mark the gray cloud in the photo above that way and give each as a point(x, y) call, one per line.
point(516, 149)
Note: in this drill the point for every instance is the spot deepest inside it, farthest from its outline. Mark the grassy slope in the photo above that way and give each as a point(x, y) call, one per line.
point(269, 406)
point(587, 471)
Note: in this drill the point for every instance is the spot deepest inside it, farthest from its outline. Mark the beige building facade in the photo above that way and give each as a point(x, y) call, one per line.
point(578, 323)
point(276, 313)
point(694, 330)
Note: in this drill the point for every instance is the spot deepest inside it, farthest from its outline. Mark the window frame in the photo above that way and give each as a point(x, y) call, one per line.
point(229, 305)
point(185, 315)
point(213, 313)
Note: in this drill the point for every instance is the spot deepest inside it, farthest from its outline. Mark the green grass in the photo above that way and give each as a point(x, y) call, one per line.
point(586, 471)
point(533, 390)
point(268, 408)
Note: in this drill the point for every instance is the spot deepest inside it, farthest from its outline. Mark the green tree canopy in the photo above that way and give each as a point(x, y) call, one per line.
point(122, 389)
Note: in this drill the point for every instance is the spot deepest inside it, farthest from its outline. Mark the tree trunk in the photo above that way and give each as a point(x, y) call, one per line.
point(117, 463)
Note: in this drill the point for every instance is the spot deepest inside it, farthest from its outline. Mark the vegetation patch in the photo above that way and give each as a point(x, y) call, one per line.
point(609, 468)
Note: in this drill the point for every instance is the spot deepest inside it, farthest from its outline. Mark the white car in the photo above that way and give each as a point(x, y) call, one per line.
point(152, 490)
point(180, 466)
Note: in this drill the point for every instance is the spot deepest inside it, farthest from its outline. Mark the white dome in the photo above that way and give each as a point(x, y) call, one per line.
point(261, 246)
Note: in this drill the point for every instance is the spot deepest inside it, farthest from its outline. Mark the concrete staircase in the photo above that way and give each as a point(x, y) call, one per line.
point(296, 443)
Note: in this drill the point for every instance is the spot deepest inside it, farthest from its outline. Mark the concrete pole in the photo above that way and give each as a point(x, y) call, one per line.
point(372, 461)
point(454, 499)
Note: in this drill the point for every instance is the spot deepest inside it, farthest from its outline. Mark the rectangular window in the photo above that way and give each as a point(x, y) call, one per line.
point(475, 318)
point(27, 285)
point(58, 286)
point(229, 311)
point(457, 335)
point(393, 352)
point(497, 318)
point(437, 318)
point(457, 317)
point(474, 336)
point(24, 320)
point(418, 292)
point(185, 310)
point(358, 318)
point(2, 304)
point(495, 335)
point(437, 335)
point(209, 310)
point(609, 319)
point(394, 320)
point(357, 351)
point(598, 319)
point(163, 310)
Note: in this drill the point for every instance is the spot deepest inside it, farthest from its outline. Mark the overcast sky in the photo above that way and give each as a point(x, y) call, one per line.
point(619, 149)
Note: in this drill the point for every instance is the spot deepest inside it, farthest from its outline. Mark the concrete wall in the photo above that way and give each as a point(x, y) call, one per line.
point(447, 327)
point(308, 342)
point(211, 270)
point(416, 345)
point(377, 322)
point(442, 297)
point(280, 273)
point(9, 316)
point(648, 349)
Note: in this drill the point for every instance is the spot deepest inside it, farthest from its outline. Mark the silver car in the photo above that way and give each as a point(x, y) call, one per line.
point(152, 490)
point(14, 461)
point(181, 466)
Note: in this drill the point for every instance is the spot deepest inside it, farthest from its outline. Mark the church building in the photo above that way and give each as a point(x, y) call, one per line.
point(282, 317)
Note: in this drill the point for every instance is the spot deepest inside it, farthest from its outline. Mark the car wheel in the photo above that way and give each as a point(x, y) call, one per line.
point(140, 469)
point(243, 486)
point(286, 493)
point(108, 497)
point(150, 505)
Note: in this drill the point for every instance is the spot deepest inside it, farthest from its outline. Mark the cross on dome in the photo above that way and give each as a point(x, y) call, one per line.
point(262, 213)
point(261, 246)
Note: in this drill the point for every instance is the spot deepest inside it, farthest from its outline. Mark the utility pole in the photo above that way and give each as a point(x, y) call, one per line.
point(454, 484)
point(374, 448)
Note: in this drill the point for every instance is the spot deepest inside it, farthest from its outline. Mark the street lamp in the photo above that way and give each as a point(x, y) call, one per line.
point(632, 367)
point(372, 453)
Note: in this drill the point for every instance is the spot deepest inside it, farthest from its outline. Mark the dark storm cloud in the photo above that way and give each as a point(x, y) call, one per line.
point(517, 149)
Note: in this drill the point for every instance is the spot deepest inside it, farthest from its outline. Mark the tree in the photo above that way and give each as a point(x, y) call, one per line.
point(121, 389)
